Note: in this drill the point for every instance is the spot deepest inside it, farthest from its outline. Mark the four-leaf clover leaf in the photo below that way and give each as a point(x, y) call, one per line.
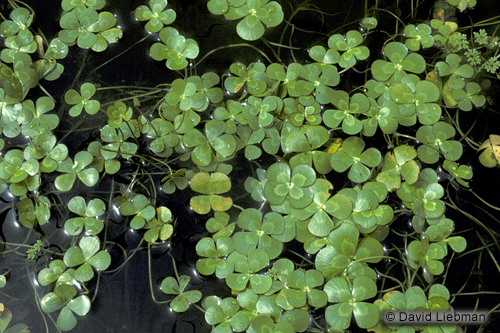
point(82, 101)
point(44, 146)
point(87, 255)
point(181, 302)
point(140, 208)
point(226, 316)
point(213, 256)
point(63, 297)
point(468, 97)
point(246, 268)
point(294, 184)
point(350, 47)
point(352, 156)
point(399, 164)
point(349, 299)
point(210, 186)
point(79, 26)
point(417, 98)
point(400, 62)
point(255, 12)
point(425, 255)
point(156, 16)
point(302, 284)
point(87, 219)
point(436, 140)
point(419, 35)
point(457, 72)
point(259, 232)
point(19, 26)
point(358, 103)
point(89, 176)
point(52, 273)
point(174, 48)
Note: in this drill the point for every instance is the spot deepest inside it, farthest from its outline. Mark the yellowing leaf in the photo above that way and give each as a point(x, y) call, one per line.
point(220, 203)
point(448, 99)
point(333, 145)
point(452, 25)
point(490, 157)
point(436, 79)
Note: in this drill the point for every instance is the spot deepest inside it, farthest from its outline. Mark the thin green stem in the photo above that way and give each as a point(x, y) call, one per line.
point(150, 276)
point(231, 46)
point(120, 54)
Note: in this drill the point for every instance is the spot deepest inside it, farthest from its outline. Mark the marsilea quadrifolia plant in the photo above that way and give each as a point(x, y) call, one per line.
point(302, 126)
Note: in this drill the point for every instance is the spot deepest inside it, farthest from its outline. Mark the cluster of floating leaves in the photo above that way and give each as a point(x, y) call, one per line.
point(279, 112)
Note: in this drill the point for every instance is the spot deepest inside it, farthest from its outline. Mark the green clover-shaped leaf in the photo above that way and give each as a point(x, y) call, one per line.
point(399, 164)
point(79, 26)
point(294, 184)
point(436, 139)
point(87, 255)
point(87, 219)
point(457, 72)
point(63, 297)
point(140, 208)
point(419, 35)
point(417, 98)
point(261, 110)
point(259, 232)
point(43, 147)
point(383, 116)
point(302, 284)
point(318, 81)
point(346, 109)
point(246, 268)
point(324, 57)
point(117, 113)
point(254, 14)
point(211, 186)
point(306, 142)
point(460, 173)
point(284, 81)
point(105, 32)
point(14, 169)
point(351, 156)
point(466, 99)
point(224, 315)
point(19, 26)
point(426, 256)
point(178, 180)
point(400, 62)
point(52, 273)
point(350, 47)
point(156, 15)
point(174, 48)
point(183, 298)
point(254, 78)
point(117, 141)
point(40, 122)
point(213, 256)
point(82, 101)
point(349, 301)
